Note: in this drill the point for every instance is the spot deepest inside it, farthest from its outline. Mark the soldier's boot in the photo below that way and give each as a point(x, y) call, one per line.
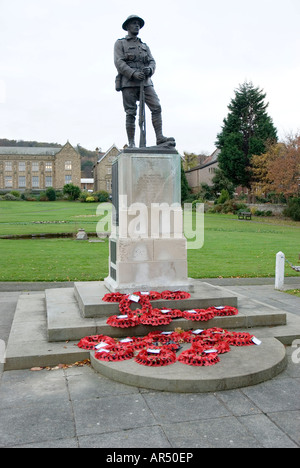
point(157, 125)
point(130, 129)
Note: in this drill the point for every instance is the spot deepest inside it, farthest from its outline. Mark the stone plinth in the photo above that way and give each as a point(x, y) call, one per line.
point(147, 247)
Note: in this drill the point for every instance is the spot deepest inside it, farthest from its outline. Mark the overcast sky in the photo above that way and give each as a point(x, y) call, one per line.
point(57, 72)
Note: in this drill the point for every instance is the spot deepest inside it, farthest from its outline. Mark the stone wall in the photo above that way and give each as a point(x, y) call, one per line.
point(276, 209)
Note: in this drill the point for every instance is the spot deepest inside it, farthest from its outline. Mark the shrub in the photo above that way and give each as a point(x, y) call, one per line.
point(194, 203)
point(230, 206)
point(28, 196)
point(83, 196)
point(293, 209)
point(101, 196)
point(259, 213)
point(9, 197)
point(72, 191)
point(223, 197)
point(15, 193)
point(189, 199)
point(263, 213)
point(51, 194)
point(43, 196)
point(90, 199)
point(59, 194)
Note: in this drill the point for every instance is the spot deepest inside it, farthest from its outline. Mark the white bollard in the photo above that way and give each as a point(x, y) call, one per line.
point(279, 272)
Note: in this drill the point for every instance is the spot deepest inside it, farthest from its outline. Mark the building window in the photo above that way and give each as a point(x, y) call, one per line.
point(8, 166)
point(35, 167)
point(48, 181)
point(48, 166)
point(108, 185)
point(22, 166)
point(8, 182)
point(68, 179)
point(68, 165)
point(22, 181)
point(109, 170)
point(35, 182)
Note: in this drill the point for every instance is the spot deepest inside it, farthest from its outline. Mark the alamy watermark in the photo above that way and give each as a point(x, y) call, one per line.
point(296, 352)
point(159, 221)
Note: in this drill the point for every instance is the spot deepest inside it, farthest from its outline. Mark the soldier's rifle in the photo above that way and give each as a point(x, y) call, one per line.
point(142, 116)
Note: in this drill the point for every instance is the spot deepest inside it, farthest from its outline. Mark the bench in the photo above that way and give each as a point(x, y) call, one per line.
point(244, 215)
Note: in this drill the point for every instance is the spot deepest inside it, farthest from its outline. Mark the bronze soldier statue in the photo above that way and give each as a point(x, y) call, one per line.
point(136, 65)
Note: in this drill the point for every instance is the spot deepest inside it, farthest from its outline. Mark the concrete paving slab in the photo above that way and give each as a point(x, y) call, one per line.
point(266, 294)
point(289, 423)
point(271, 396)
point(152, 438)
point(238, 403)
point(37, 422)
point(214, 432)
point(20, 388)
point(112, 413)
point(267, 431)
point(172, 408)
point(19, 286)
point(84, 385)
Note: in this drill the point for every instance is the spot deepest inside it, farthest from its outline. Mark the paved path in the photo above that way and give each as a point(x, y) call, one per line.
point(75, 407)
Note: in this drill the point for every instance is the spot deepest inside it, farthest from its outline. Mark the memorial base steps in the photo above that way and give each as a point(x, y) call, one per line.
point(48, 326)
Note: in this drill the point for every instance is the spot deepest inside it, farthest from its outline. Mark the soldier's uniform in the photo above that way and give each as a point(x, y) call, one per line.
point(131, 55)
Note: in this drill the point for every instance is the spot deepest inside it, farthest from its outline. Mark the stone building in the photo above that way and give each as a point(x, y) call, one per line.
point(102, 170)
point(37, 168)
point(203, 173)
point(87, 185)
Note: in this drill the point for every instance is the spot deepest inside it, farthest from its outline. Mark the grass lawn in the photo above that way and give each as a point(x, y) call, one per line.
point(232, 248)
point(294, 292)
point(21, 218)
point(53, 260)
point(243, 248)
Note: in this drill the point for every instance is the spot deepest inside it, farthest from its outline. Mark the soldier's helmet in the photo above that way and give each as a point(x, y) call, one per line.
point(131, 18)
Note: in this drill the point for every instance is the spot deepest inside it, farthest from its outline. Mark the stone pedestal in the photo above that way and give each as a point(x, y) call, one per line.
point(147, 246)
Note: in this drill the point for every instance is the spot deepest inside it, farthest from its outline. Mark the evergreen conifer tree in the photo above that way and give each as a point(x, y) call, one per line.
point(245, 132)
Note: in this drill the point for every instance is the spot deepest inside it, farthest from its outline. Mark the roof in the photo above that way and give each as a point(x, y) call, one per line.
point(29, 150)
point(212, 159)
point(103, 155)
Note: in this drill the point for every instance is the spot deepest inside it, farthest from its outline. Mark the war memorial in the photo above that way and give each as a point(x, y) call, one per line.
point(148, 324)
